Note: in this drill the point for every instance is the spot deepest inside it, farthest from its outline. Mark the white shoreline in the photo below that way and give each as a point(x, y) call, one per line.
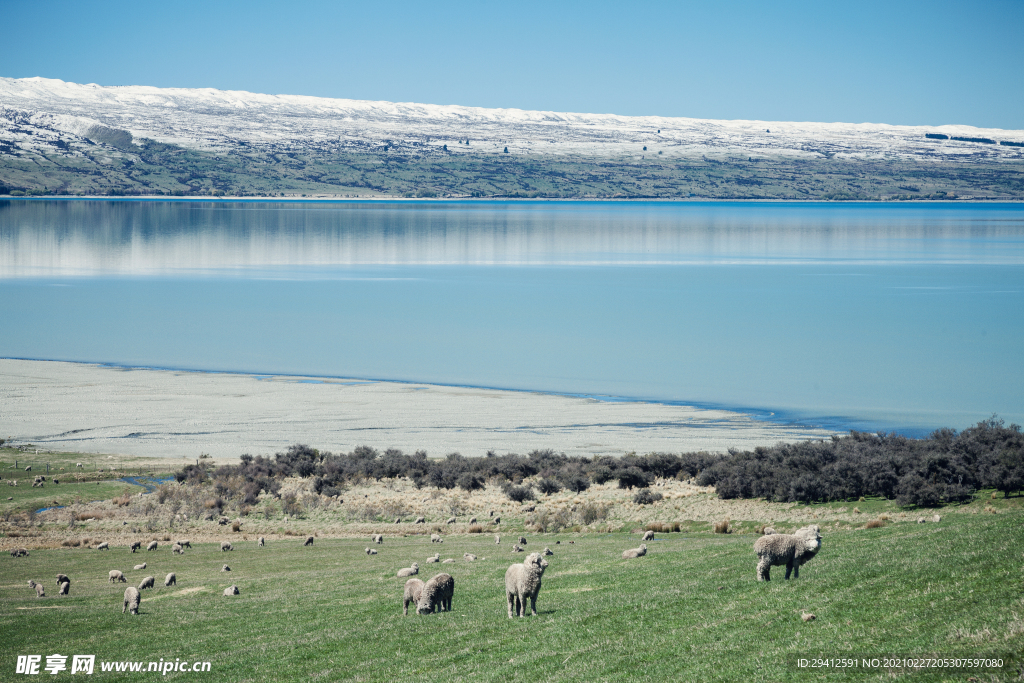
point(91, 408)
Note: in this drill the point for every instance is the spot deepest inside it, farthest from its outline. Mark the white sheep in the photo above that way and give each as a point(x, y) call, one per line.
point(648, 536)
point(309, 541)
point(177, 550)
point(65, 587)
point(115, 576)
point(547, 551)
point(377, 538)
point(791, 550)
point(522, 540)
point(225, 568)
point(139, 567)
point(262, 542)
point(469, 556)
point(434, 538)
point(225, 546)
point(522, 583)
point(171, 580)
point(147, 583)
point(413, 590)
point(435, 558)
point(472, 520)
point(185, 544)
point(152, 546)
point(137, 545)
point(448, 560)
point(451, 520)
point(497, 539)
point(420, 520)
point(132, 598)
point(371, 551)
point(436, 595)
point(634, 552)
point(40, 593)
point(409, 571)
point(103, 546)
point(62, 578)
point(231, 590)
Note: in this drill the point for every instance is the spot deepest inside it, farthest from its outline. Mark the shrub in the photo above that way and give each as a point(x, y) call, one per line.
point(236, 526)
point(632, 477)
point(589, 513)
point(290, 505)
point(476, 529)
point(470, 482)
point(875, 524)
point(722, 527)
point(645, 497)
point(577, 483)
point(519, 493)
point(549, 486)
point(602, 474)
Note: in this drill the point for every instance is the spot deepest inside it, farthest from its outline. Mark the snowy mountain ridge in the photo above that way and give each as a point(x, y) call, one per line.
point(221, 120)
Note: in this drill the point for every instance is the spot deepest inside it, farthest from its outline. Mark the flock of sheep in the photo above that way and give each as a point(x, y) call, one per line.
point(522, 581)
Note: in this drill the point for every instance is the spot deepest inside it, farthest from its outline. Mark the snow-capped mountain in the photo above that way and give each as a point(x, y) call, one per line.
point(222, 120)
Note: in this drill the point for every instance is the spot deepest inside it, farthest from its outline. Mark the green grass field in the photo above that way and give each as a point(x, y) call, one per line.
point(690, 610)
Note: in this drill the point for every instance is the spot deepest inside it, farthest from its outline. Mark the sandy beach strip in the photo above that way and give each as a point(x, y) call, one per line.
point(91, 408)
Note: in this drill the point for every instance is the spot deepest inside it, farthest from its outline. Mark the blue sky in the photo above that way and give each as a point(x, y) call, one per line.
point(895, 62)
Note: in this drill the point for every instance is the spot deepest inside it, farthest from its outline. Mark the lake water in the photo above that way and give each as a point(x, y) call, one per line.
point(903, 317)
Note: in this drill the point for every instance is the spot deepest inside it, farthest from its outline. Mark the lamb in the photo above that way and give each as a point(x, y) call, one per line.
point(768, 531)
point(436, 595)
point(62, 578)
point(147, 583)
point(115, 576)
point(635, 552)
point(309, 541)
point(177, 550)
point(132, 598)
point(497, 520)
point(522, 583)
point(136, 546)
point(522, 540)
point(371, 551)
point(231, 590)
point(936, 519)
point(65, 587)
point(447, 561)
point(171, 580)
point(103, 546)
point(139, 567)
point(451, 520)
point(409, 571)
point(469, 556)
point(791, 550)
point(152, 546)
point(435, 558)
point(40, 593)
point(225, 546)
point(547, 551)
point(225, 568)
point(649, 536)
point(413, 590)
point(398, 520)
point(472, 520)
point(497, 539)
point(420, 520)
point(185, 544)
point(434, 538)
point(516, 549)
point(377, 538)
point(261, 542)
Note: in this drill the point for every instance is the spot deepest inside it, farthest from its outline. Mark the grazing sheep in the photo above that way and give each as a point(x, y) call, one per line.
point(436, 595)
point(231, 590)
point(490, 513)
point(171, 579)
point(409, 571)
point(147, 583)
point(434, 538)
point(920, 520)
point(371, 551)
point(435, 558)
point(936, 519)
point(40, 593)
point(177, 550)
point(635, 552)
point(451, 520)
point(791, 550)
point(184, 544)
point(649, 536)
point(447, 561)
point(225, 546)
point(261, 542)
point(547, 551)
point(377, 538)
point(516, 549)
point(139, 567)
point(398, 520)
point(497, 520)
point(497, 539)
point(413, 590)
point(78, 465)
point(116, 576)
point(522, 583)
point(309, 541)
point(103, 546)
point(132, 598)
point(29, 468)
point(152, 546)
point(522, 540)
point(65, 587)
point(136, 546)
point(472, 520)
point(420, 520)
point(62, 578)
point(807, 616)
point(469, 556)
point(225, 568)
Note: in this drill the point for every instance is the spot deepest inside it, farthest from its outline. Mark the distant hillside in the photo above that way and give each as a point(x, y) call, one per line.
point(65, 138)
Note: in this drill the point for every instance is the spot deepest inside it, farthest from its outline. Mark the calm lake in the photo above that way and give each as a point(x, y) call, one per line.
point(904, 317)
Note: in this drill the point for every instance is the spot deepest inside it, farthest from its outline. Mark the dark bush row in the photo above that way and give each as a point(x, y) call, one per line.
point(945, 467)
